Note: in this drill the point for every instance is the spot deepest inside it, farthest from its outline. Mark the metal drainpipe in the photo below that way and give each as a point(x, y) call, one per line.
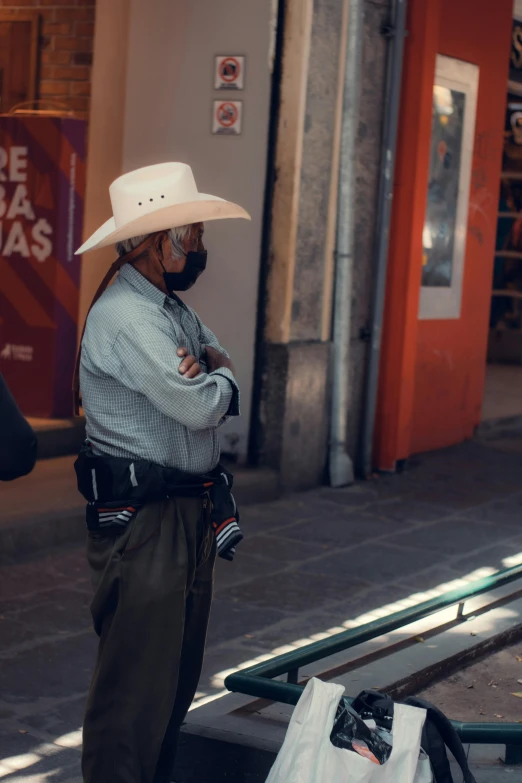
point(340, 463)
point(397, 33)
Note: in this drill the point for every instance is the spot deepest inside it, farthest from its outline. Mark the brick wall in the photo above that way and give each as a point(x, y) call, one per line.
point(65, 49)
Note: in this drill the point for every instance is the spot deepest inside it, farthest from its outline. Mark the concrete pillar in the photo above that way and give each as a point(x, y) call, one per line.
point(105, 142)
point(290, 432)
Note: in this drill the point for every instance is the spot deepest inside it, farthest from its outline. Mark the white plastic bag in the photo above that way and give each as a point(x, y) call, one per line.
point(308, 756)
point(424, 773)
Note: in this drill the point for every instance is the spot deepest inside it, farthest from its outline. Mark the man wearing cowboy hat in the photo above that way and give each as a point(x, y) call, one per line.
point(155, 387)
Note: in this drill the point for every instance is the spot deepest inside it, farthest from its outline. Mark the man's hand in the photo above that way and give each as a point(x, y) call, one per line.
point(217, 360)
point(189, 367)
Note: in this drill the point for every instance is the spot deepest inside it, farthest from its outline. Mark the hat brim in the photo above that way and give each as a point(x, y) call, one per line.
point(201, 211)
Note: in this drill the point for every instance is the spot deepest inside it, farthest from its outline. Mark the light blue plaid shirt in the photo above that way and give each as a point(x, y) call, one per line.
point(136, 403)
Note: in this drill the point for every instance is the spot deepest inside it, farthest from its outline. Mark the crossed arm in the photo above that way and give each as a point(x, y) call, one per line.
point(175, 384)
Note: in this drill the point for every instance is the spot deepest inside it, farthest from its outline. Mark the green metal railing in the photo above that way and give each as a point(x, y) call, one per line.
point(259, 680)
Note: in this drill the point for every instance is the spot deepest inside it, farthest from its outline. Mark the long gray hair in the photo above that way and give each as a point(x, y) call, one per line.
point(176, 236)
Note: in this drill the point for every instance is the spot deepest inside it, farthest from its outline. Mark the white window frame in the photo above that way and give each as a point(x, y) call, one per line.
point(444, 303)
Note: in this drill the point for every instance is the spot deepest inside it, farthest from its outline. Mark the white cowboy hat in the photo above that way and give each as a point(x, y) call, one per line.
point(156, 198)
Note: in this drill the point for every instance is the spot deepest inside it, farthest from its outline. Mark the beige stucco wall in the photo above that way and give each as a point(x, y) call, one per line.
point(166, 107)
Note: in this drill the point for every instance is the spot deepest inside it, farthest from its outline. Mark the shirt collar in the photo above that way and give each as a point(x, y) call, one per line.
point(142, 285)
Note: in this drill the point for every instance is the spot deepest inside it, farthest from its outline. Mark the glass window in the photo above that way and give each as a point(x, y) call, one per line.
point(438, 237)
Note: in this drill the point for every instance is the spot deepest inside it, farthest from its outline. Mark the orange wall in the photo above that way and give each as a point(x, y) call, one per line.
point(432, 372)
point(451, 355)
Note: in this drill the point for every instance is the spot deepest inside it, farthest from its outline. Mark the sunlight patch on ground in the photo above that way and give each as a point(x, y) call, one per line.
point(50, 775)
point(72, 740)
point(17, 763)
point(208, 699)
point(514, 560)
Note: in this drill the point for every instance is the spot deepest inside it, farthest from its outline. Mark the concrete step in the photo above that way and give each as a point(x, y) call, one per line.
point(58, 437)
point(45, 508)
point(208, 760)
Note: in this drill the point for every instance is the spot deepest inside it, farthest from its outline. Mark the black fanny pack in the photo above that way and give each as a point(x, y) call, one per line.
point(106, 479)
point(116, 488)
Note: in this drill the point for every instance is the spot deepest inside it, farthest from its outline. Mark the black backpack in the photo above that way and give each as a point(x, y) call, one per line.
point(438, 734)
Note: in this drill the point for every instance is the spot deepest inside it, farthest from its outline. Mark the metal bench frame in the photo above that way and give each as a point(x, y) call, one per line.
point(260, 680)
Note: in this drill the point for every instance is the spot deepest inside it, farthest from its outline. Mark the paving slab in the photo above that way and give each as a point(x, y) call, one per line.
point(370, 563)
point(230, 618)
point(335, 531)
point(296, 590)
point(453, 536)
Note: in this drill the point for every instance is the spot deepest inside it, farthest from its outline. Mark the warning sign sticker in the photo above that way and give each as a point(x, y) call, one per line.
point(228, 117)
point(229, 72)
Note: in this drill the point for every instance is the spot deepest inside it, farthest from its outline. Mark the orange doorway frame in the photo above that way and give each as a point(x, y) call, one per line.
point(423, 405)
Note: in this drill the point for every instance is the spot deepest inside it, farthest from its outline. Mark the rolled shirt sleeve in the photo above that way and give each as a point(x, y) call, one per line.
point(148, 364)
point(234, 407)
point(208, 337)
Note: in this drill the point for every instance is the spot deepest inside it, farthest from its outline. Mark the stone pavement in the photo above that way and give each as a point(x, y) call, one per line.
point(309, 563)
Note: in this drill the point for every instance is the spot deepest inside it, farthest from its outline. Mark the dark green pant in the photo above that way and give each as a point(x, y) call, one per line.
point(153, 590)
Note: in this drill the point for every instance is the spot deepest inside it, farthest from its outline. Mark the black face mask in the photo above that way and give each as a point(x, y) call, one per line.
point(195, 265)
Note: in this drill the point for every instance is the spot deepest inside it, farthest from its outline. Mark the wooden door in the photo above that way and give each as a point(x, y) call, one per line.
point(18, 59)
